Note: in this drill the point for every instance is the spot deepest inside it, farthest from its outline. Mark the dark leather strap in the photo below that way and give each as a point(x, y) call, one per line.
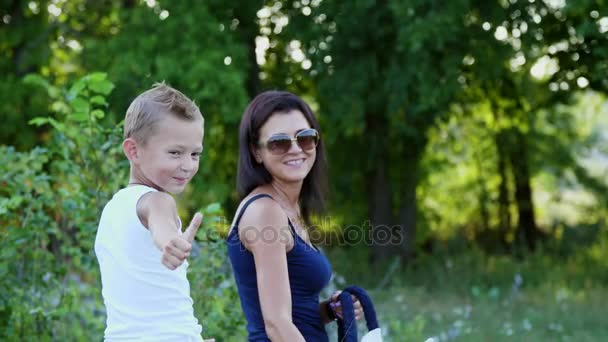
point(347, 326)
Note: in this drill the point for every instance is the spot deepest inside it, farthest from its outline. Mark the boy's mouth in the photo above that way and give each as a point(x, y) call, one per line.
point(180, 180)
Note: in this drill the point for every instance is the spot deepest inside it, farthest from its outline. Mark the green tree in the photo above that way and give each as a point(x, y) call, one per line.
point(380, 90)
point(198, 52)
point(25, 34)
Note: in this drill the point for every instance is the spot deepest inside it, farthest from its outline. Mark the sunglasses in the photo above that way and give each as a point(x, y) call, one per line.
point(281, 143)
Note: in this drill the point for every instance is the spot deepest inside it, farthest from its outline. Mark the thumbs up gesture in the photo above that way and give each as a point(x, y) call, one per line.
point(178, 248)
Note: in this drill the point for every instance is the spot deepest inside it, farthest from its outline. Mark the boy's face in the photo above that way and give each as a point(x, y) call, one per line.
point(169, 158)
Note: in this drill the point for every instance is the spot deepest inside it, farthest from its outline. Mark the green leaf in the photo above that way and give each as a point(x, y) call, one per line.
point(98, 100)
point(15, 201)
point(213, 208)
point(38, 121)
point(97, 77)
point(76, 89)
point(35, 79)
point(102, 86)
point(80, 116)
point(81, 105)
point(60, 107)
point(106, 146)
point(58, 125)
point(98, 113)
point(4, 205)
point(54, 92)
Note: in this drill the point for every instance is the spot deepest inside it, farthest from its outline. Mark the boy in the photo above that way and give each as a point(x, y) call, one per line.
point(140, 245)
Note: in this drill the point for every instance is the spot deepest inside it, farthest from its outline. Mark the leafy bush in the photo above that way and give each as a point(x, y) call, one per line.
point(50, 201)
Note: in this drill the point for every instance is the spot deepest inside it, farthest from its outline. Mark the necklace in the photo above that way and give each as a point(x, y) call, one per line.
point(294, 215)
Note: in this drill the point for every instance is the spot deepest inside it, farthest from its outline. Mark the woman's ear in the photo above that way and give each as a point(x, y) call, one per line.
point(129, 147)
point(255, 152)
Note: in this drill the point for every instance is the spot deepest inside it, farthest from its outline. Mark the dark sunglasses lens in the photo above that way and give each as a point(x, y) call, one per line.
point(279, 145)
point(308, 140)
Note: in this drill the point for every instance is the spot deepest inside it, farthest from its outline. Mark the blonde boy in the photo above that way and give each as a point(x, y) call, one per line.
point(140, 245)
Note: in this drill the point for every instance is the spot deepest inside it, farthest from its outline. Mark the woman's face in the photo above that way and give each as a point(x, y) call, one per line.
point(293, 165)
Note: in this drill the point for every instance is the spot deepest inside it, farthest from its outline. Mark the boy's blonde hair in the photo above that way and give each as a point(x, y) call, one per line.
point(154, 104)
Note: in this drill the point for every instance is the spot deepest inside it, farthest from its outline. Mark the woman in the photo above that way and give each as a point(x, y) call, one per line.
point(281, 180)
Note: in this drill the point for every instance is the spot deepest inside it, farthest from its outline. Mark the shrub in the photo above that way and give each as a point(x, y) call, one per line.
point(50, 201)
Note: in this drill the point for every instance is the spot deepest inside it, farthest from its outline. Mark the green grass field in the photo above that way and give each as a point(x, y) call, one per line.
point(474, 297)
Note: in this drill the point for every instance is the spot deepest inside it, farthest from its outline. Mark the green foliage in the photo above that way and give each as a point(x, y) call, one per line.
point(430, 96)
point(194, 50)
point(379, 92)
point(462, 158)
point(216, 300)
point(50, 201)
point(212, 286)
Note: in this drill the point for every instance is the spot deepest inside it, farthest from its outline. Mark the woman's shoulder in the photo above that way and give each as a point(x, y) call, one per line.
point(263, 217)
point(259, 206)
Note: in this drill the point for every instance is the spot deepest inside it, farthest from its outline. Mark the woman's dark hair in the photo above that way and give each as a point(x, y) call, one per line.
point(252, 174)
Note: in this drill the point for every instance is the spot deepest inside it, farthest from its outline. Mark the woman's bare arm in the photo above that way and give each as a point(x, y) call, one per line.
point(264, 231)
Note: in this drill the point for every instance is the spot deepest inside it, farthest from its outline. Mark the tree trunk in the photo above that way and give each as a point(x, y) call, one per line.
point(408, 208)
point(380, 206)
point(253, 72)
point(484, 197)
point(504, 216)
point(526, 227)
point(380, 193)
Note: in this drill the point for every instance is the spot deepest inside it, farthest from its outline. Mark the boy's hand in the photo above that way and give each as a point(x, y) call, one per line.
point(179, 247)
point(190, 232)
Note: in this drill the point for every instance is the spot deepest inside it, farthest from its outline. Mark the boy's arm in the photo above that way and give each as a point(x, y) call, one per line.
point(157, 212)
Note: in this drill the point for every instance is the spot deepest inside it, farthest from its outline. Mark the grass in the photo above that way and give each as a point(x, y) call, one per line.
point(549, 313)
point(476, 297)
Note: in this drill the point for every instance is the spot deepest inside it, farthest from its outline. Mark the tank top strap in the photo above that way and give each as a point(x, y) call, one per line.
point(291, 227)
point(249, 201)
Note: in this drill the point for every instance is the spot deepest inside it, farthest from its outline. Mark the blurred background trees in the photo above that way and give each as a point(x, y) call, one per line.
point(461, 126)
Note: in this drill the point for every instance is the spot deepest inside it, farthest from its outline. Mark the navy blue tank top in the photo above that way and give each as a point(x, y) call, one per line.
point(309, 272)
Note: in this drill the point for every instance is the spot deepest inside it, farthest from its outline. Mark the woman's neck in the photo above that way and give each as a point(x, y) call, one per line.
point(287, 193)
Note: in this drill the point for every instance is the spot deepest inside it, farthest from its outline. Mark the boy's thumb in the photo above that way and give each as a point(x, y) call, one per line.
point(190, 232)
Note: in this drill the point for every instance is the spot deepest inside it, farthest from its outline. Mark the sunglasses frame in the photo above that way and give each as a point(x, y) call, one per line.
point(292, 140)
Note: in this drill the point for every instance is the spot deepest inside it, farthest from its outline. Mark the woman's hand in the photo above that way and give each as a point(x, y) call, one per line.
point(336, 306)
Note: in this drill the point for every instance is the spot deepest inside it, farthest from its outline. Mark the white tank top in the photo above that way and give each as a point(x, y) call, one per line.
point(144, 300)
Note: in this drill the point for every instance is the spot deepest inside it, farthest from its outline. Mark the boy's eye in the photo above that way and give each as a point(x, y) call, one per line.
point(196, 154)
point(174, 153)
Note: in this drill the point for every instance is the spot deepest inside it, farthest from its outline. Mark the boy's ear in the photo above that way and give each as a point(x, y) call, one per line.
point(129, 147)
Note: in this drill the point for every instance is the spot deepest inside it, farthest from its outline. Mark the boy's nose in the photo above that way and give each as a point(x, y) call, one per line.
point(188, 164)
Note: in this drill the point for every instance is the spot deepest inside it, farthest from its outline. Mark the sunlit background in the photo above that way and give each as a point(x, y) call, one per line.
point(475, 131)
